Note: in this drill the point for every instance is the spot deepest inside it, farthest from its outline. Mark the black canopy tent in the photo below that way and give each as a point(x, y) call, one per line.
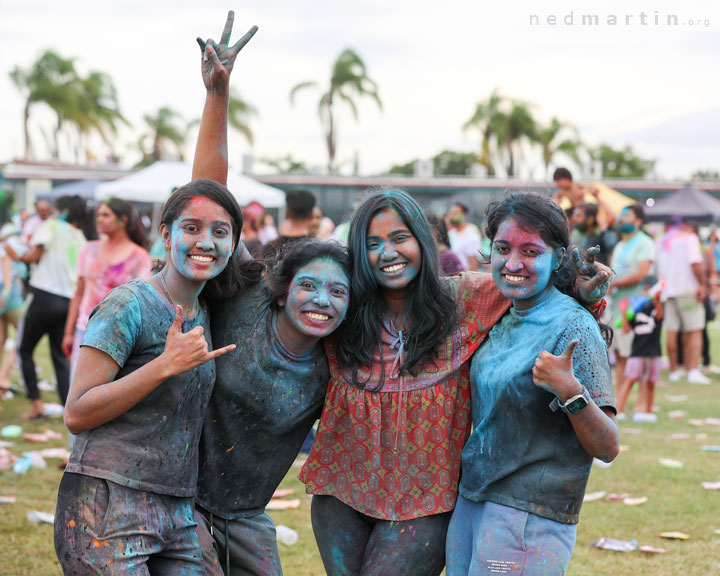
point(689, 204)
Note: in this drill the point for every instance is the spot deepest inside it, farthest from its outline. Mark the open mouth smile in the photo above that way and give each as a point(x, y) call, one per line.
point(198, 258)
point(512, 279)
point(394, 268)
point(317, 316)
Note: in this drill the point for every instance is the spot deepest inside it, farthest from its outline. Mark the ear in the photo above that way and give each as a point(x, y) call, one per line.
point(165, 233)
point(559, 254)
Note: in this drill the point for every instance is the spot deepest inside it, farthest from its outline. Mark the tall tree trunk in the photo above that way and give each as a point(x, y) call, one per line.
point(330, 137)
point(26, 127)
point(511, 159)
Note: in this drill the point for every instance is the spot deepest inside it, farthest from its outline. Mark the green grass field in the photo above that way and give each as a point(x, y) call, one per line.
point(677, 501)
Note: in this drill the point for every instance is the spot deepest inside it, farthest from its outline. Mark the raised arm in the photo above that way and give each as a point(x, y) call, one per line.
point(211, 157)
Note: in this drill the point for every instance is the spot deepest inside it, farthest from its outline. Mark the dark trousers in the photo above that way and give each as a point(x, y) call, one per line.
point(46, 315)
point(354, 544)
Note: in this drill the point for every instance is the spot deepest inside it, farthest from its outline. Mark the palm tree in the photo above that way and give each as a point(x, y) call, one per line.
point(484, 119)
point(239, 114)
point(348, 77)
point(53, 80)
point(512, 128)
point(549, 138)
point(163, 131)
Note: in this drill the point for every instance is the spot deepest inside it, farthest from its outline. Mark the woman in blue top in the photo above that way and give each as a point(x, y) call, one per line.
point(542, 404)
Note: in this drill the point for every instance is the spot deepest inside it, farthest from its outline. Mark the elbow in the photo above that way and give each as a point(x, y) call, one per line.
point(72, 422)
point(612, 449)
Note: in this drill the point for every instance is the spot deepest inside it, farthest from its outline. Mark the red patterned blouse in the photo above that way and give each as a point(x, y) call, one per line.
point(395, 453)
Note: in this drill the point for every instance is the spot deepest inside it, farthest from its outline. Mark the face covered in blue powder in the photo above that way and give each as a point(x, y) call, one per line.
point(522, 264)
point(393, 252)
point(201, 239)
point(317, 298)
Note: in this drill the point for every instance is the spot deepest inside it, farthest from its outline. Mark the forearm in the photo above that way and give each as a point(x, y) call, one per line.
point(597, 432)
point(101, 404)
point(73, 313)
point(211, 152)
point(698, 272)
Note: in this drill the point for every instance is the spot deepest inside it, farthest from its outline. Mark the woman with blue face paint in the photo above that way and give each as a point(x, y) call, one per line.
point(385, 464)
point(267, 396)
point(542, 404)
point(142, 385)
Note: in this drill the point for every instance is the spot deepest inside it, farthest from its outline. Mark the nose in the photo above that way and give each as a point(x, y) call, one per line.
point(205, 243)
point(321, 298)
point(388, 254)
point(513, 263)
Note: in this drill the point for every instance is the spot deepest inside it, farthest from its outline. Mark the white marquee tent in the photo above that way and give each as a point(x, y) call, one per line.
point(154, 184)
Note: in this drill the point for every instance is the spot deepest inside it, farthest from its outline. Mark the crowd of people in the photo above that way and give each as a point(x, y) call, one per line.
point(461, 379)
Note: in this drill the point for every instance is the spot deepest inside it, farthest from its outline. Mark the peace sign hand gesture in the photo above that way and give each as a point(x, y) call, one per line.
point(555, 373)
point(218, 59)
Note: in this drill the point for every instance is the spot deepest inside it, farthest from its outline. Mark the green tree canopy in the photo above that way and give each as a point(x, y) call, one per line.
point(622, 163)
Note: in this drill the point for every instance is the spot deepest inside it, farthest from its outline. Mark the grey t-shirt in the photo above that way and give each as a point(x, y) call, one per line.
point(522, 454)
point(152, 446)
point(265, 401)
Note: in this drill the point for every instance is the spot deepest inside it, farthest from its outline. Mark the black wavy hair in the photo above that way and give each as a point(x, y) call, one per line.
point(298, 254)
point(125, 211)
point(241, 271)
point(537, 213)
point(430, 304)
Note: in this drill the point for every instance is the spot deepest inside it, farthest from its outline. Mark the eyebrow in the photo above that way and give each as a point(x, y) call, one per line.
point(391, 235)
point(523, 244)
point(220, 222)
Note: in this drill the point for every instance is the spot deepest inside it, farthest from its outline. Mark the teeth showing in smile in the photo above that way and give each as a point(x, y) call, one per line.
point(510, 278)
point(201, 258)
point(316, 316)
point(394, 268)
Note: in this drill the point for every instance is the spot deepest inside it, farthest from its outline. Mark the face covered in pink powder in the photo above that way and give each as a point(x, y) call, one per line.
point(522, 264)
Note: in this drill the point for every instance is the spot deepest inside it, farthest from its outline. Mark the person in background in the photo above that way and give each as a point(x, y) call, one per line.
point(43, 211)
point(54, 248)
point(465, 238)
point(320, 225)
point(680, 266)
point(249, 234)
point(299, 205)
point(11, 302)
point(586, 232)
point(631, 261)
point(342, 230)
point(646, 354)
point(266, 228)
point(449, 262)
point(119, 256)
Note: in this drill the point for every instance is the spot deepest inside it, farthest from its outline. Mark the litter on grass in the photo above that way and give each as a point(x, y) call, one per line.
point(276, 504)
point(670, 463)
point(615, 545)
point(621, 496)
point(677, 414)
point(7, 499)
point(35, 516)
point(12, 431)
point(696, 422)
point(592, 496)
point(601, 464)
point(635, 501)
point(712, 421)
point(675, 535)
point(283, 492)
point(679, 436)
point(652, 550)
point(711, 485)
point(678, 398)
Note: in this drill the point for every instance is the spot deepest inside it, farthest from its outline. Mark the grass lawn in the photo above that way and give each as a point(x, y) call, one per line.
point(677, 500)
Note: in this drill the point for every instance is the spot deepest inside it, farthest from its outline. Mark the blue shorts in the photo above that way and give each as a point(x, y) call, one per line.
point(488, 538)
point(105, 528)
point(14, 299)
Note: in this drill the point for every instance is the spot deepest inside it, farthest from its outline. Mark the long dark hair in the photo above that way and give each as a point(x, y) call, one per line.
point(537, 213)
point(124, 210)
point(295, 256)
point(430, 304)
point(78, 214)
point(239, 273)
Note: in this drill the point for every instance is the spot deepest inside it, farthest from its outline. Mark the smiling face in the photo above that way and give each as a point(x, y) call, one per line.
point(201, 240)
point(522, 264)
point(317, 298)
point(393, 252)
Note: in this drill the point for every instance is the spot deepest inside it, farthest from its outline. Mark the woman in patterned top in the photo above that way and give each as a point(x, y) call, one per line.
point(385, 464)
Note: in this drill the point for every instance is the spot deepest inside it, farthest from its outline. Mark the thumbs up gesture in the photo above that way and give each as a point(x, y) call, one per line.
point(184, 352)
point(555, 373)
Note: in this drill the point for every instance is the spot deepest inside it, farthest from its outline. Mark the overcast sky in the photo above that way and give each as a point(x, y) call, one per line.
point(654, 86)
